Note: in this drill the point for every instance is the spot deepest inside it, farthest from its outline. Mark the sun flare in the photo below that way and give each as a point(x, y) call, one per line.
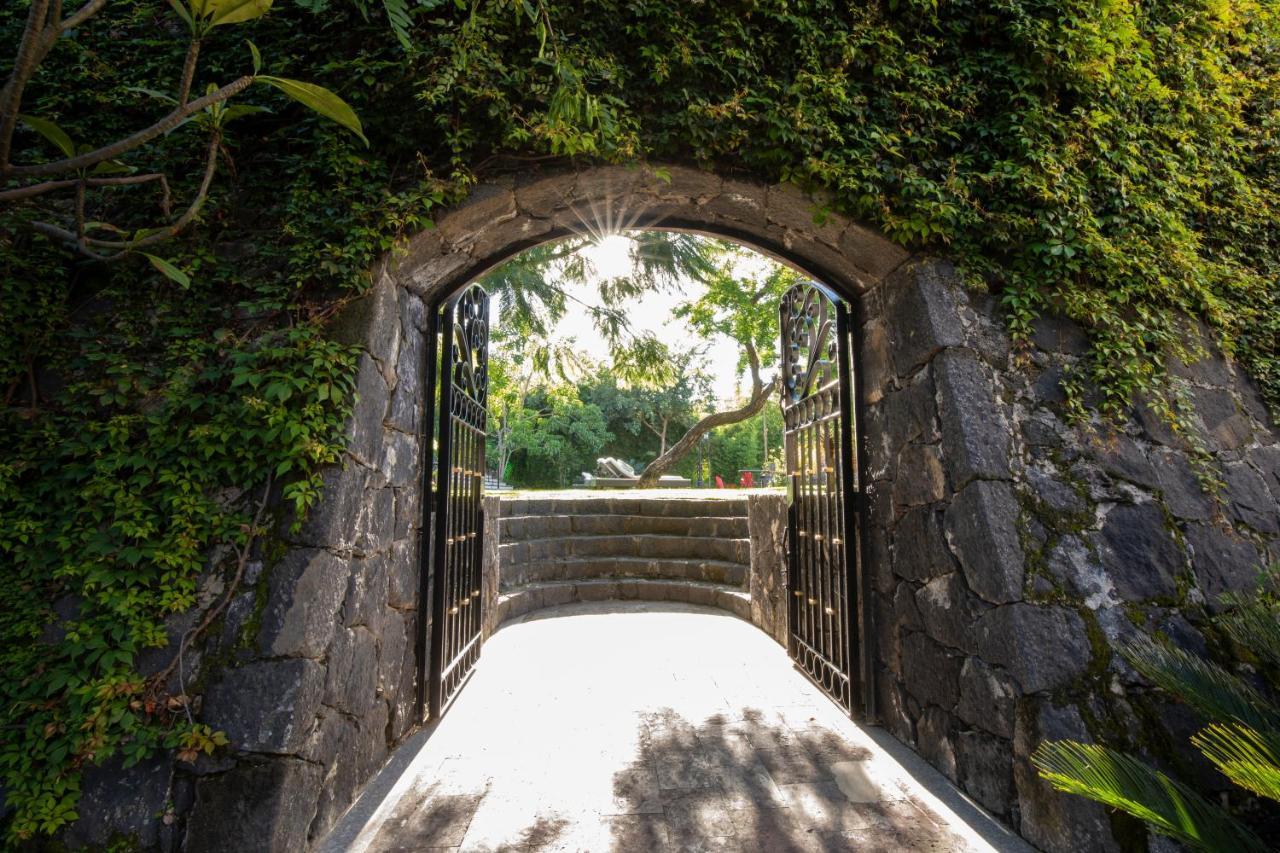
point(610, 255)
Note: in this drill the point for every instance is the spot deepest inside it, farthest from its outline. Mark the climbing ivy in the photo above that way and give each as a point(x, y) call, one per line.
point(1112, 161)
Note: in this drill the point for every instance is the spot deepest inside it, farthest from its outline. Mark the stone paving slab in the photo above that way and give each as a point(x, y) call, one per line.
point(633, 726)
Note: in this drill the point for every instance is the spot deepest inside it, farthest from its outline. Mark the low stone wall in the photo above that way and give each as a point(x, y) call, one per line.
point(554, 550)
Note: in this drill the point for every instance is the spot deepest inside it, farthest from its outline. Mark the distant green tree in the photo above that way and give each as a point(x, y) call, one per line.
point(741, 446)
point(644, 417)
point(555, 436)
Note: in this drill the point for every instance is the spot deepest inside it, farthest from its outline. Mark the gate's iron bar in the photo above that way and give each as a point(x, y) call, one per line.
point(818, 425)
point(458, 556)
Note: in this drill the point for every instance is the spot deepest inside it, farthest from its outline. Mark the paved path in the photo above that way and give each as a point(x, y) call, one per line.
point(653, 727)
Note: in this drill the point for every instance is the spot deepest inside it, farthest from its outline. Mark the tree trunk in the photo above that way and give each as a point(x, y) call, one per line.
point(667, 461)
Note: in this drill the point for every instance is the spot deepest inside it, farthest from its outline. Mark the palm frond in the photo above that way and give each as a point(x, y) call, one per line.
point(663, 258)
point(1210, 689)
point(1169, 807)
point(1254, 624)
point(1248, 758)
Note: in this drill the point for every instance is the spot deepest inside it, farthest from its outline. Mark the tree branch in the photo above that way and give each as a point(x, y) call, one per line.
point(50, 186)
point(87, 11)
point(126, 246)
point(115, 149)
point(24, 65)
point(38, 38)
point(658, 467)
point(188, 72)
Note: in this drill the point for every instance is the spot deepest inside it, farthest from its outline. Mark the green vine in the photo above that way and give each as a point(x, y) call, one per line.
point(1116, 163)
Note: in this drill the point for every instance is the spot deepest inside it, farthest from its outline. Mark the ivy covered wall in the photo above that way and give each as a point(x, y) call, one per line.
point(1115, 164)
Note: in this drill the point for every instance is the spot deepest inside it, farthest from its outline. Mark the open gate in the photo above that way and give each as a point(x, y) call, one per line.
point(456, 415)
point(825, 597)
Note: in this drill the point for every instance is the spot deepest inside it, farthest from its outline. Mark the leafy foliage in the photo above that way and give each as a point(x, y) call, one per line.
point(1117, 163)
point(108, 512)
point(533, 291)
point(1243, 742)
point(556, 437)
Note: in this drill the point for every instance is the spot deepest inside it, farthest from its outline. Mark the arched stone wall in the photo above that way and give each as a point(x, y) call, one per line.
point(1006, 549)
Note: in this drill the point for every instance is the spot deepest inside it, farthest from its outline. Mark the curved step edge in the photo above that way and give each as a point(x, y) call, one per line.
point(539, 596)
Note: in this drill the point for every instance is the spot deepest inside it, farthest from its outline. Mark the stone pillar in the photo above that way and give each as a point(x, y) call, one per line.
point(767, 527)
point(490, 567)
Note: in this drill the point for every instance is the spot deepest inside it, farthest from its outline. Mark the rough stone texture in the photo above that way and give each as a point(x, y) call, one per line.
point(1222, 560)
point(923, 314)
point(975, 435)
point(948, 611)
point(920, 546)
point(490, 565)
point(922, 481)
point(306, 589)
point(985, 767)
point(1079, 524)
point(726, 553)
point(1041, 647)
point(1139, 554)
point(767, 527)
point(932, 671)
point(1049, 820)
point(987, 698)
point(262, 804)
point(1003, 544)
point(981, 524)
point(266, 706)
point(122, 802)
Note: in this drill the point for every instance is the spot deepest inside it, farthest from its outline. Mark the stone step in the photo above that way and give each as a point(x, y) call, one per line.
point(586, 568)
point(536, 596)
point(516, 528)
point(647, 546)
point(624, 505)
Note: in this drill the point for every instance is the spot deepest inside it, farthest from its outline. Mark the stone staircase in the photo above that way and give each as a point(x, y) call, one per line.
point(558, 550)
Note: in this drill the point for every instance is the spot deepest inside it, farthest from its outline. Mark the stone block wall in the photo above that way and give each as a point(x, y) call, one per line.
point(1011, 552)
point(314, 674)
point(1008, 550)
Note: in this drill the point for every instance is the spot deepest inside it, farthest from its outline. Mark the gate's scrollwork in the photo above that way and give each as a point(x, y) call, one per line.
point(821, 465)
point(458, 487)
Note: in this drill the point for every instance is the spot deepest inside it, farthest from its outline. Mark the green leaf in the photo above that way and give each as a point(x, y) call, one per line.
point(112, 167)
point(257, 56)
point(169, 270)
point(219, 12)
point(319, 99)
point(1114, 779)
point(182, 13)
point(239, 110)
point(153, 93)
point(1249, 758)
point(1207, 687)
point(51, 132)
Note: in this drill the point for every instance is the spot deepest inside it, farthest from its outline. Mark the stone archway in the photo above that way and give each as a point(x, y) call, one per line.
point(500, 219)
point(997, 539)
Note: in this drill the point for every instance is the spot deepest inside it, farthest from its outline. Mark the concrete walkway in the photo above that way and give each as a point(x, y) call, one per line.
point(652, 727)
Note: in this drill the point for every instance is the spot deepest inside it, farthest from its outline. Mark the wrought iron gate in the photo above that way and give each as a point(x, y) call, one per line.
point(823, 575)
point(460, 342)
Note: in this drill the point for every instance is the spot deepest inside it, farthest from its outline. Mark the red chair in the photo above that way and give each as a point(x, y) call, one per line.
point(719, 482)
point(747, 480)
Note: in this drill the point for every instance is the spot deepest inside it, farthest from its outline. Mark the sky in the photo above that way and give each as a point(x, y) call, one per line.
point(653, 313)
